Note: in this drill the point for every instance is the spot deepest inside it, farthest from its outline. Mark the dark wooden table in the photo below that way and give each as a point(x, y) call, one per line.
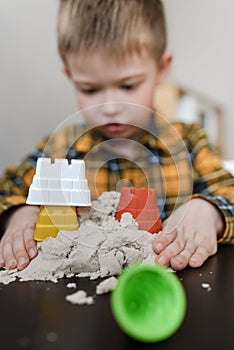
point(35, 315)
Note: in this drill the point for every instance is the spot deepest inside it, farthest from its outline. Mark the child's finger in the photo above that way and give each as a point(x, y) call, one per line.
point(8, 256)
point(180, 261)
point(173, 249)
point(30, 243)
point(198, 258)
point(20, 252)
point(2, 263)
point(163, 240)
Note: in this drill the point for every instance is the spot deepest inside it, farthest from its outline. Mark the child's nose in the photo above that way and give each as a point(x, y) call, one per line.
point(111, 108)
point(111, 103)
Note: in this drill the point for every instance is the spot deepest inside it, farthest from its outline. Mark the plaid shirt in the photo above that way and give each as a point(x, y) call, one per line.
point(175, 159)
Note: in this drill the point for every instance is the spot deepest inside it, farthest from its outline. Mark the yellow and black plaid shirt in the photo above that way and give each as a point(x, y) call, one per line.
point(175, 159)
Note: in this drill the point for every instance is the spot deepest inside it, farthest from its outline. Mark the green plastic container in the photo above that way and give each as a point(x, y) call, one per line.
point(149, 303)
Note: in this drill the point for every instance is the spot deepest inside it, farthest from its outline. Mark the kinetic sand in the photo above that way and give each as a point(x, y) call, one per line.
point(101, 247)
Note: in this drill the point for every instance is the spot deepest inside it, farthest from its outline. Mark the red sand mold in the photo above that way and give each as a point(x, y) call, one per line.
point(142, 204)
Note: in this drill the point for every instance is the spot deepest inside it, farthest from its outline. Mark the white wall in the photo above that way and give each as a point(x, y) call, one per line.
point(35, 96)
point(201, 36)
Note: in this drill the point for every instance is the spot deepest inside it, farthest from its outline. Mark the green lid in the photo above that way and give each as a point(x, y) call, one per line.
point(149, 302)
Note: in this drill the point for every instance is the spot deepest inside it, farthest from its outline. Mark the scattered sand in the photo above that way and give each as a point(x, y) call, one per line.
point(80, 298)
point(107, 285)
point(206, 286)
point(101, 247)
point(71, 285)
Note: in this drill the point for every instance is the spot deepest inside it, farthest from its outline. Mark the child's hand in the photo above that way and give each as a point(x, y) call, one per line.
point(17, 245)
point(189, 235)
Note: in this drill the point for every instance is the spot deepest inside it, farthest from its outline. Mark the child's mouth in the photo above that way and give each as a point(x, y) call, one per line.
point(115, 127)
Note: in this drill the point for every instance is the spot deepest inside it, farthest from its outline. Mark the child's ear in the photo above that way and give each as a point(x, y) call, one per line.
point(164, 67)
point(66, 71)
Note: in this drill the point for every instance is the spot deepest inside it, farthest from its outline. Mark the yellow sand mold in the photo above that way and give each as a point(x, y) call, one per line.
point(52, 219)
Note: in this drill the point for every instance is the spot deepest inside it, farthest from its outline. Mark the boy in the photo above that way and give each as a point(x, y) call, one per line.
point(113, 52)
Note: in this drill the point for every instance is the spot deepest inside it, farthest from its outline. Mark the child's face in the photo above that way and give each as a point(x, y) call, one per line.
point(118, 90)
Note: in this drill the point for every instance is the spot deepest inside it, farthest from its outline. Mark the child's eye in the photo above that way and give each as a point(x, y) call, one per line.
point(89, 91)
point(128, 86)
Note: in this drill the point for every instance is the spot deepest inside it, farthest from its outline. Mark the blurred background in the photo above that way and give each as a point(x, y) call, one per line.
point(35, 96)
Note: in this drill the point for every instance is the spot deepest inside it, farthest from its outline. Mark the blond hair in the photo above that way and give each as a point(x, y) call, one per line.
point(115, 27)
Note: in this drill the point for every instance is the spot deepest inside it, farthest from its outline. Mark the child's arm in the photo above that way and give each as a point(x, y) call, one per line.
point(17, 220)
point(189, 235)
point(17, 245)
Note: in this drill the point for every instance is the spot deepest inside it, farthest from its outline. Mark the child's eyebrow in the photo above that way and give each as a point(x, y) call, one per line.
point(132, 76)
point(84, 82)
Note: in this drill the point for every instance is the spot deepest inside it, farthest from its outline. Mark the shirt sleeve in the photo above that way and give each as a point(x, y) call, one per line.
point(211, 181)
point(15, 182)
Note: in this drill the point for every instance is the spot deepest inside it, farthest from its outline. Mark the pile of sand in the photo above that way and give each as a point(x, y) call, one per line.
point(101, 247)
